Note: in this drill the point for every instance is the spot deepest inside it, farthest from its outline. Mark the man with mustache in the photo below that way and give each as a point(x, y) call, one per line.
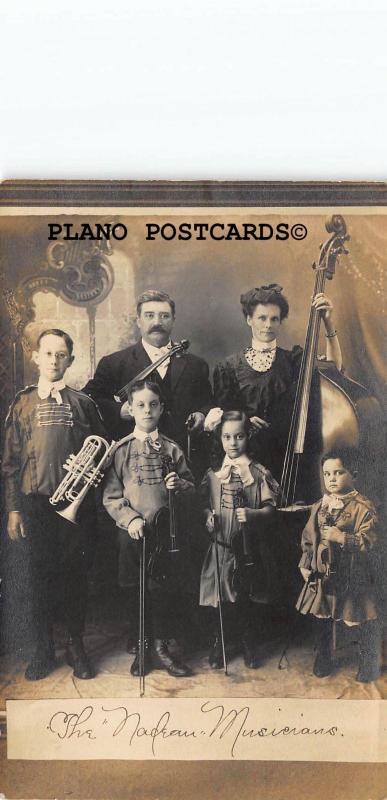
point(184, 379)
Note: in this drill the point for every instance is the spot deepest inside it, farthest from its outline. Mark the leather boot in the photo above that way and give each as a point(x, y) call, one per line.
point(135, 666)
point(249, 652)
point(77, 659)
point(164, 660)
point(369, 655)
point(132, 646)
point(323, 663)
point(42, 663)
point(215, 656)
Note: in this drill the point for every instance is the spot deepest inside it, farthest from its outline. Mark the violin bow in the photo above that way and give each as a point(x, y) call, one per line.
point(141, 650)
point(219, 598)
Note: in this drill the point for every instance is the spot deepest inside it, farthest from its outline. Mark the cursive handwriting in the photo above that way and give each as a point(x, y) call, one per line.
point(217, 722)
point(66, 725)
point(131, 724)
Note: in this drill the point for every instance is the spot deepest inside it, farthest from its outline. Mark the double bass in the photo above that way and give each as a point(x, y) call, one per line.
point(348, 416)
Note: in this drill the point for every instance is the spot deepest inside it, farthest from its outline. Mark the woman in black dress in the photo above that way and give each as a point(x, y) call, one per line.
point(261, 380)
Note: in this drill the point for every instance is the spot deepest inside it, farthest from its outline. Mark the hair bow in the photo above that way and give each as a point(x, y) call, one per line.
point(272, 287)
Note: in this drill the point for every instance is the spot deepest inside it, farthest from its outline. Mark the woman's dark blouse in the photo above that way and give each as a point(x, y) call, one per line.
point(268, 395)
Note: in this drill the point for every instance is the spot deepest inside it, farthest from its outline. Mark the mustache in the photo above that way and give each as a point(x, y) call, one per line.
point(157, 329)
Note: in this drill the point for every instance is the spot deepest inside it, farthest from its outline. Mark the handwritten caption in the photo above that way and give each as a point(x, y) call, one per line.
point(196, 729)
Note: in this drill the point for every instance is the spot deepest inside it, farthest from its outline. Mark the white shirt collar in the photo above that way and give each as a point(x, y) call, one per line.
point(241, 461)
point(45, 388)
point(337, 501)
point(241, 466)
point(142, 435)
point(155, 352)
point(260, 346)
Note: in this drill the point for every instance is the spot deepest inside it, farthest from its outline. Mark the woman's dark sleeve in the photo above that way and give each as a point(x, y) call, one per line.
point(227, 394)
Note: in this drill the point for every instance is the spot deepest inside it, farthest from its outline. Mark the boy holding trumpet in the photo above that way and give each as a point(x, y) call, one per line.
point(45, 424)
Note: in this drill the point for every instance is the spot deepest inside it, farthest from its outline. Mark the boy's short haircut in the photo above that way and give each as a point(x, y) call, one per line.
point(57, 332)
point(147, 383)
point(347, 455)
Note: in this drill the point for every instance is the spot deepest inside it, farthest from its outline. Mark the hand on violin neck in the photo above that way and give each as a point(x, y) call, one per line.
point(244, 514)
point(136, 528)
point(210, 521)
point(331, 533)
point(174, 482)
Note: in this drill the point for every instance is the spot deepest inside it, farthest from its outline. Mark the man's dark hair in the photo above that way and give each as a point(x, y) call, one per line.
point(147, 383)
point(57, 332)
point(154, 296)
point(347, 455)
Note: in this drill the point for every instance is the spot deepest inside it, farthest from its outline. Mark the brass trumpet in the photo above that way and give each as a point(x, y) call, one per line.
point(84, 470)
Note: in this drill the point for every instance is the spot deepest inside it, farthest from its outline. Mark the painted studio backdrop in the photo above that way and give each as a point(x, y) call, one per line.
point(89, 288)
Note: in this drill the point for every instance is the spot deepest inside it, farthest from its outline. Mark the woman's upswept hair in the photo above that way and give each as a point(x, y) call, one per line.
point(263, 295)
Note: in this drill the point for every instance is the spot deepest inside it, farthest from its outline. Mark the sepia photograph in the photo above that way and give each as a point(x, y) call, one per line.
point(193, 437)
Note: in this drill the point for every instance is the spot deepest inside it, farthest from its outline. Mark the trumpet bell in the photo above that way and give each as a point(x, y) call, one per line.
point(70, 513)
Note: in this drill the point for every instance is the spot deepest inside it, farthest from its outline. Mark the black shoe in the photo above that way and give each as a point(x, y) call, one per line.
point(132, 646)
point(249, 654)
point(215, 656)
point(164, 660)
point(135, 666)
point(78, 660)
point(370, 652)
point(323, 664)
point(43, 662)
point(369, 667)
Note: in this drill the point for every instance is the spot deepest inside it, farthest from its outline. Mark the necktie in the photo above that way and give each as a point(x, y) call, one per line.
point(151, 446)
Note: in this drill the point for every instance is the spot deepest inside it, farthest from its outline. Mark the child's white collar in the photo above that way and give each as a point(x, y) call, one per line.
point(241, 466)
point(50, 388)
point(142, 435)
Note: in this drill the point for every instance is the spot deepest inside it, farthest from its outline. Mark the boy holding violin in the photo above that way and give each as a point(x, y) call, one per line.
point(145, 468)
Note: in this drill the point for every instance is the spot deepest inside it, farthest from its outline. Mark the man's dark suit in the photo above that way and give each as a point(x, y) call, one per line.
point(186, 388)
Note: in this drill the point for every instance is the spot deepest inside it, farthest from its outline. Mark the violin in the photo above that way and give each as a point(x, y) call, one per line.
point(245, 577)
point(175, 350)
point(164, 545)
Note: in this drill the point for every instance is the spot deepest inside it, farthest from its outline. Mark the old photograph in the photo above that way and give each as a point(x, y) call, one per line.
point(193, 448)
point(271, 355)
